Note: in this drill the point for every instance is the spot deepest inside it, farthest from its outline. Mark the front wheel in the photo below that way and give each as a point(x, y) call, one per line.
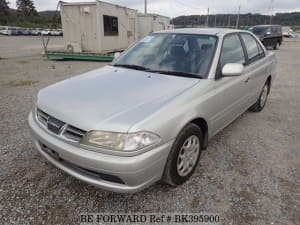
point(184, 156)
point(276, 46)
point(262, 100)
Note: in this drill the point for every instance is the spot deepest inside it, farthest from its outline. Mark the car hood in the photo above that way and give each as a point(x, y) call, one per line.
point(110, 98)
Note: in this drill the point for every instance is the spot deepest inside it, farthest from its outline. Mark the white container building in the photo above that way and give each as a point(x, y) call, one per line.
point(148, 23)
point(98, 27)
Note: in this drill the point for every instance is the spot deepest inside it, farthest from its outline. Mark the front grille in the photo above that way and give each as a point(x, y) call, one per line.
point(42, 117)
point(74, 133)
point(57, 126)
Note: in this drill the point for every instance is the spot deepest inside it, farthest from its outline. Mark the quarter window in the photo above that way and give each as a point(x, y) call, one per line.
point(110, 25)
point(232, 51)
point(253, 49)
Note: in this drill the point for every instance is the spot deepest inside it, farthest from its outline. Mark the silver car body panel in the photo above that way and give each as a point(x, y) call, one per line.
point(137, 171)
point(126, 100)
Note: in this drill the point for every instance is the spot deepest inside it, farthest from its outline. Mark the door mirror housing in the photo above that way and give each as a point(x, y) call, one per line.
point(117, 55)
point(268, 33)
point(232, 69)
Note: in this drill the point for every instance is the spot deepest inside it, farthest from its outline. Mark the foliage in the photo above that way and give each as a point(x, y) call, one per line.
point(26, 7)
point(17, 19)
point(3, 5)
point(4, 10)
point(27, 16)
point(229, 20)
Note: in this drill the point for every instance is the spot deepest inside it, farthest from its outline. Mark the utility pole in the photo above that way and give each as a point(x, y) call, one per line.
point(271, 10)
point(238, 18)
point(207, 17)
point(215, 20)
point(228, 20)
point(145, 6)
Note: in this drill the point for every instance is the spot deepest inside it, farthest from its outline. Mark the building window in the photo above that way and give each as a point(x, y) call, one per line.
point(110, 25)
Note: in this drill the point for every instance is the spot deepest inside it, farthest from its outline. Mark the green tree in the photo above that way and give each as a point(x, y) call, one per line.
point(26, 7)
point(4, 6)
point(4, 12)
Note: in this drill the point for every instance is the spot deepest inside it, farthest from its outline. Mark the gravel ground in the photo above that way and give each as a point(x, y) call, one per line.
point(250, 173)
point(24, 46)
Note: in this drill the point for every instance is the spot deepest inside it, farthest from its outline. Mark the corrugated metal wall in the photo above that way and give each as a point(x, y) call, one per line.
point(127, 20)
point(151, 23)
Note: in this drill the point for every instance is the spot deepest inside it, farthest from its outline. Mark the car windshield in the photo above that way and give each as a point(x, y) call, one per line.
point(188, 55)
point(258, 30)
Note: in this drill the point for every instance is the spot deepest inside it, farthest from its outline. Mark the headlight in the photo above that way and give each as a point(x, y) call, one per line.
point(120, 141)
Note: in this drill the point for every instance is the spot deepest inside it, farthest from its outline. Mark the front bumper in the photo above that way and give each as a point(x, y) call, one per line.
point(135, 172)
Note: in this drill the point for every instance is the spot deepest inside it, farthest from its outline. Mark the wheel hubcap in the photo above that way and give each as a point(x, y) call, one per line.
point(264, 95)
point(188, 155)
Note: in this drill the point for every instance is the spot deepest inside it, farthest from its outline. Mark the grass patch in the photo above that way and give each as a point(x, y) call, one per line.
point(23, 61)
point(22, 83)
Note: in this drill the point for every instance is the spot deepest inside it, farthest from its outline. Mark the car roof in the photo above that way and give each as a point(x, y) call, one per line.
point(204, 31)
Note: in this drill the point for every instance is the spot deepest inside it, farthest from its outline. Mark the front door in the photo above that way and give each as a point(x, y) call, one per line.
point(232, 93)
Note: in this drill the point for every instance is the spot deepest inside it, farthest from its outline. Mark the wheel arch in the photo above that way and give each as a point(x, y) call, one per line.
point(269, 80)
point(201, 122)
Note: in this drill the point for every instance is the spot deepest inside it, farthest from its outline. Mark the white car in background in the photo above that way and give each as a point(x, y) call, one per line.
point(46, 32)
point(5, 30)
point(287, 32)
point(55, 32)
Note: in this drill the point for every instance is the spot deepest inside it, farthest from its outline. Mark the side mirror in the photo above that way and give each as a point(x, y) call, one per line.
point(268, 33)
point(232, 69)
point(117, 55)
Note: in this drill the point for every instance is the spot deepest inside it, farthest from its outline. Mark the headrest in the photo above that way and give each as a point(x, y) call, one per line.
point(206, 47)
point(177, 51)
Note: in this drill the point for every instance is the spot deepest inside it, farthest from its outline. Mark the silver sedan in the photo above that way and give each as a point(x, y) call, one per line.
point(148, 115)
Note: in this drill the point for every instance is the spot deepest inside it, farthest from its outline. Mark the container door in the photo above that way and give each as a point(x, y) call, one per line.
point(131, 33)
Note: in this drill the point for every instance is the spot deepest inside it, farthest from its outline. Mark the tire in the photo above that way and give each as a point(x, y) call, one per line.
point(276, 46)
point(180, 154)
point(262, 100)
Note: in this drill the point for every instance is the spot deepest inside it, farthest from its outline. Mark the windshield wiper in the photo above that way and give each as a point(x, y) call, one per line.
point(176, 73)
point(132, 66)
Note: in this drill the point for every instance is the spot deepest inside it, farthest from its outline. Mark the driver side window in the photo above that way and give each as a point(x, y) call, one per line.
point(232, 51)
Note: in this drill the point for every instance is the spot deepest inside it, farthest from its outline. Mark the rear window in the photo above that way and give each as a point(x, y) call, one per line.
point(258, 30)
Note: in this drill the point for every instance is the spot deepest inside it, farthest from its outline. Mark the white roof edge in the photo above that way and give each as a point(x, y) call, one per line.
point(77, 3)
point(207, 31)
point(93, 3)
point(152, 14)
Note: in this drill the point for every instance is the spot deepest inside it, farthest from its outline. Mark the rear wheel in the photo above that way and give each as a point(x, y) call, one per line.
point(262, 100)
point(184, 156)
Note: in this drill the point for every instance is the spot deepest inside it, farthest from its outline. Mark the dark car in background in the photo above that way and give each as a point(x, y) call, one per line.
point(269, 35)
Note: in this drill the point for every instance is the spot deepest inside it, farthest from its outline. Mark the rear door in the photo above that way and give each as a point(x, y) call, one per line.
point(256, 66)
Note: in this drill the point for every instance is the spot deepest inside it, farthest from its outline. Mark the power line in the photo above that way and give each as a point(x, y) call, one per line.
point(187, 6)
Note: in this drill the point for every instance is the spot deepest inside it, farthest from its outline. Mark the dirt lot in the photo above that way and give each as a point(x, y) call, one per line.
point(250, 173)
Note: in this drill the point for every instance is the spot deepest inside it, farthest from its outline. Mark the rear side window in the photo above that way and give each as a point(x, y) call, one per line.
point(232, 50)
point(254, 51)
point(275, 29)
point(279, 29)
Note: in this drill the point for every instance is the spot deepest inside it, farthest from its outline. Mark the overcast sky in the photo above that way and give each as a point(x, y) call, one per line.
point(175, 8)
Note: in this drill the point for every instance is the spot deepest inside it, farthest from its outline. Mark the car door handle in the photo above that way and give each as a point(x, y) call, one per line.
point(247, 80)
